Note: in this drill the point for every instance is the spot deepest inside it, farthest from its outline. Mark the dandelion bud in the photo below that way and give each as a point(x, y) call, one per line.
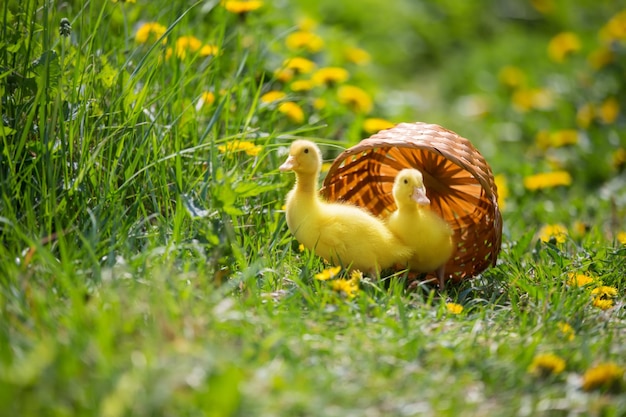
point(65, 29)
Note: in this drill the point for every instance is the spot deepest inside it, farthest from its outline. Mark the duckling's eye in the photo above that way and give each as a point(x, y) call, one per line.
point(406, 181)
point(306, 150)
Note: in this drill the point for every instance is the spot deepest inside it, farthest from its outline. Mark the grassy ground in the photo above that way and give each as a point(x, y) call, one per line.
point(146, 267)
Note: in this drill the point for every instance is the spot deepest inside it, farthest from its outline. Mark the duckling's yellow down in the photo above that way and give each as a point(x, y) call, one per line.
point(416, 225)
point(341, 233)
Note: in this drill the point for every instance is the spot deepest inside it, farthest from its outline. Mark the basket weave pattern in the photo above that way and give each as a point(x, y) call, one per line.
point(458, 182)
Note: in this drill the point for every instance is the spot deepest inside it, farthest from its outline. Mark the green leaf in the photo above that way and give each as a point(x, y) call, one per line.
point(227, 198)
point(14, 47)
point(521, 246)
point(251, 189)
point(46, 58)
point(6, 131)
point(107, 74)
point(48, 69)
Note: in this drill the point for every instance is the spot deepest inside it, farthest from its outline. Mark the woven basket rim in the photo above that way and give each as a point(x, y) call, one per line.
point(375, 143)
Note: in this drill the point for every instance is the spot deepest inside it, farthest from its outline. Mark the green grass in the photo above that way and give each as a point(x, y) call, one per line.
point(147, 270)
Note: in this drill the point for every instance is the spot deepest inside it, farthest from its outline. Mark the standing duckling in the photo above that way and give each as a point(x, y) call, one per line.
point(341, 233)
point(424, 231)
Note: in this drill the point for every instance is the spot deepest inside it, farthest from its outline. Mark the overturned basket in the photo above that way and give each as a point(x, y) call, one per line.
point(458, 180)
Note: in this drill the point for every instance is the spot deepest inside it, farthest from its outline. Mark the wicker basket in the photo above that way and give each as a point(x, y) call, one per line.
point(458, 181)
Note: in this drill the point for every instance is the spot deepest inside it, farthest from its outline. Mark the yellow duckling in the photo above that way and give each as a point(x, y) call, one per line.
point(341, 233)
point(423, 230)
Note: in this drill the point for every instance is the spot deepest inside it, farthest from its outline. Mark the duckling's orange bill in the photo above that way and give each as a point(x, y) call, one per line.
point(289, 164)
point(419, 196)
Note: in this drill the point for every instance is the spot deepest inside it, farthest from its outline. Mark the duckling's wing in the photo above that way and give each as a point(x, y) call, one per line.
point(335, 233)
point(352, 235)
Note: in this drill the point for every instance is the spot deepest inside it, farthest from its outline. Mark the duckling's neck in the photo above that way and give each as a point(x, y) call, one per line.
point(409, 207)
point(306, 184)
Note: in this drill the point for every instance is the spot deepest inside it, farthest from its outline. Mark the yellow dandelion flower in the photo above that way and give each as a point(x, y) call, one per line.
point(562, 45)
point(557, 232)
point(284, 75)
point(556, 139)
point(301, 247)
point(603, 297)
point(299, 65)
point(373, 125)
point(566, 330)
point(207, 98)
point(580, 228)
point(355, 98)
point(190, 43)
point(542, 99)
point(292, 67)
point(305, 40)
point(602, 303)
point(346, 287)
point(579, 280)
point(605, 291)
point(240, 7)
point(208, 50)
point(186, 44)
point(292, 110)
point(526, 99)
point(584, 115)
point(272, 96)
point(301, 85)
point(607, 376)
point(609, 110)
point(615, 28)
point(503, 190)
point(547, 180)
point(330, 76)
point(618, 158)
point(512, 76)
point(240, 146)
point(328, 273)
point(621, 238)
point(600, 58)
point(454, 308)
point(546, 364)
point(563, 138)
point(150, 30)
point(357, 56)
point(356, 275)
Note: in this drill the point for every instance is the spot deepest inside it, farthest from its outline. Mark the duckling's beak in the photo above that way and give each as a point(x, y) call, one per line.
point(289, 164)
point(419, 196)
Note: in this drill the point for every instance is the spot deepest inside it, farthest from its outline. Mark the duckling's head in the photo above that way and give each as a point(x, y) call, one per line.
point(408, 188)
point(304, 158)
